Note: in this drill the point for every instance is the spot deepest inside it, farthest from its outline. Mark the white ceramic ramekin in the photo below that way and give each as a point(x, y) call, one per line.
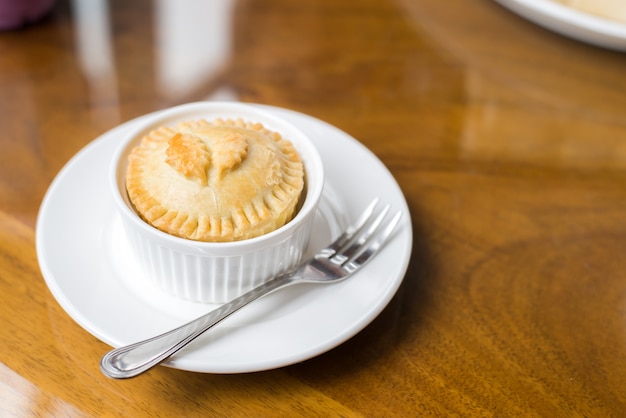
point(217, 272)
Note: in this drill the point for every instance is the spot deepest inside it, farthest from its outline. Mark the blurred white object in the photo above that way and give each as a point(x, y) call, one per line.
point(573, 23)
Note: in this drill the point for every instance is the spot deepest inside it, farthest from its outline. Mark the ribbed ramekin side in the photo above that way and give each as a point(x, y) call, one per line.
point(216, 279)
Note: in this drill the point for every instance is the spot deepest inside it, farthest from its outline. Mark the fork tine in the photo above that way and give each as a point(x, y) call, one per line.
point(359, 239)
point(374, 246)
point(351, 231)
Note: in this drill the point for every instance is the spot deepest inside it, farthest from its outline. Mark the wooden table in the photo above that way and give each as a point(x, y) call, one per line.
point(508, 141)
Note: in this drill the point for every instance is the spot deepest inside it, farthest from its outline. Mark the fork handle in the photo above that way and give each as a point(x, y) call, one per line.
point(134, 359)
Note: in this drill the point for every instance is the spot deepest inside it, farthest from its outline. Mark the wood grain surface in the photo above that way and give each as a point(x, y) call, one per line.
point(508, 141)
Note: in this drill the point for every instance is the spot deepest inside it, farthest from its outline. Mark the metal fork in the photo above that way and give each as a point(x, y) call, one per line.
point(347, 254)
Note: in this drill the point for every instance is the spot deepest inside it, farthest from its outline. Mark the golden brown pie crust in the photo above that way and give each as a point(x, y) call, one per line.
point(218, 181)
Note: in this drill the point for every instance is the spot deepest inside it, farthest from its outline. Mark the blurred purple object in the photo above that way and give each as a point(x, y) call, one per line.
point(17, 13)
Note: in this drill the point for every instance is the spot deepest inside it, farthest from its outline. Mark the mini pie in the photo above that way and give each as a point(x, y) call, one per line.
point(218, 181)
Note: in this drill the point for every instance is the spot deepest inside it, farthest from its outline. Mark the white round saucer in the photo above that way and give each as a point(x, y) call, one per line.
point(83, 256)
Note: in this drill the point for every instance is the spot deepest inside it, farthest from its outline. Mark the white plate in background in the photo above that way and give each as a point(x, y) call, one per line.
point(571, 22)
